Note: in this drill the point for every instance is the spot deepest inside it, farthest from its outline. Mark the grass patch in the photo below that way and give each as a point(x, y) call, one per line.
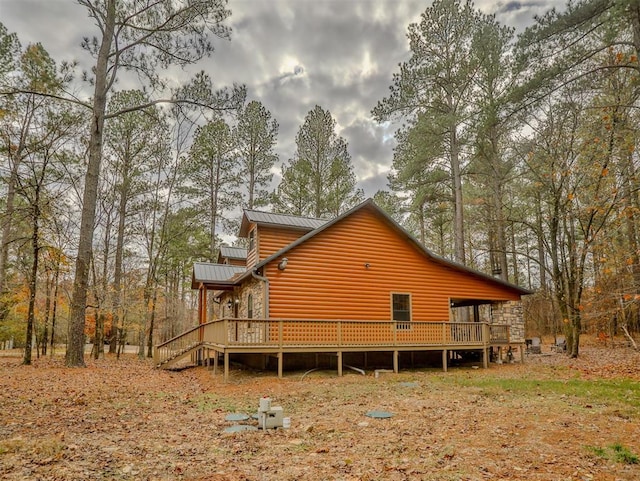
point(212, 402)
point(615, 452)
point(11, 445)
point(609, 391)
point(41, 450)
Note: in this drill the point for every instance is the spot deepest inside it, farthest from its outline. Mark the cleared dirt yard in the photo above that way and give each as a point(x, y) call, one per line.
point(550, 419)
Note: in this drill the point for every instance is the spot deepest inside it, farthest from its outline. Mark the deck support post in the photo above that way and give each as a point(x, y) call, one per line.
point(445, 355)
point(226, 366)
point(339, 363)
point(521, 347)
point(215, 362)
point(485, 357)
point(395, 362)
point(280, 364)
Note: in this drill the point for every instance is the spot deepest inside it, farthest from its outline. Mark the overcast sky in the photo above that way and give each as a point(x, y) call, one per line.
point(291, 55)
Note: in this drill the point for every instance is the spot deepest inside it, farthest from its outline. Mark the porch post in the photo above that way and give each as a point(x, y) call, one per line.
point(339, 363)
point(280, 364)
point(215, 362)
point(395, 361)
point(445, 354)
point(485, 357)
point(226, 365)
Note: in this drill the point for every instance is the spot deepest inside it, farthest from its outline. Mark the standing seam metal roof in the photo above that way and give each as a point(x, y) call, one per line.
point(214, 273)
point(285, 220)
point(233, 252)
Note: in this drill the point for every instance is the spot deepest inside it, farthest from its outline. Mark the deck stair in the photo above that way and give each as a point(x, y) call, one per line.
point(169, 353)
point(174, 358)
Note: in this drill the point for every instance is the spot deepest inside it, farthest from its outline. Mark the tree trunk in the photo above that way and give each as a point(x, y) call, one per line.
point(75, 338)
point(54, 310)
point(35, 245)
point(541, 249)
point(47, 313)
point(457, 195)
point(154, 299)
point(118, 318)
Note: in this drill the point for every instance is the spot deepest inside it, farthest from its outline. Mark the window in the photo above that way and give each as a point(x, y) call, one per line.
point(401, 310)
point(250, 306)
point(252, 240)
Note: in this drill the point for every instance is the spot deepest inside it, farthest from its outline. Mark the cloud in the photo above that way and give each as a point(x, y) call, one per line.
point(291, 55)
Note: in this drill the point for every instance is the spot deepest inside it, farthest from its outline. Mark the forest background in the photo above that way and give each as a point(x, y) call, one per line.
point(514, 154)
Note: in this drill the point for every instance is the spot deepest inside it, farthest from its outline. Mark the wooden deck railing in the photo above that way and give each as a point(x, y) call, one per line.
point(499, 334)
point(177, 346)
point(309, 334)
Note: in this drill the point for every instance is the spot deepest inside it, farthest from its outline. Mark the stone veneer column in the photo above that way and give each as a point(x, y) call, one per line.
point(510, 313)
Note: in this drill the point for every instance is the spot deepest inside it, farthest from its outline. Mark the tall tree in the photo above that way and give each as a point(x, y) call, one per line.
point(144, 37)
point(324, 182)
point(490, 167)
point(41, 183)
point(571, 166)
point(421, 174)
point(292, 195)
point(438, 79)
point(211, 177)
point(583, 47)
point(35, 70)
point(134, 142)
point(560, 47)
point(256, 134)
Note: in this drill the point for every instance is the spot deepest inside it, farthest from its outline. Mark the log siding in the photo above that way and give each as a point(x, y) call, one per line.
point(349, 272)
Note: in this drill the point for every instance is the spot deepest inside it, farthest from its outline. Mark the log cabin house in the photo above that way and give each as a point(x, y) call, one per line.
point(357, 289)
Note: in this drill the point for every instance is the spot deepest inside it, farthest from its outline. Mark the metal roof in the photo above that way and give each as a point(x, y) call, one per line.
point(215, 275)
point(233, 252)
point(283, 220)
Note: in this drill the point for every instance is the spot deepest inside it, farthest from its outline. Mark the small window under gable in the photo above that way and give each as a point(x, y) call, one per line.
point(401, 310)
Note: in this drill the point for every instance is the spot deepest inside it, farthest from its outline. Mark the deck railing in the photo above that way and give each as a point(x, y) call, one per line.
point(308, 334)
point(177, 346)
point(499, 334)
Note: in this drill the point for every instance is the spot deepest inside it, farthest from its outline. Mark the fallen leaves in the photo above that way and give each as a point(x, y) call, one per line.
point(125, 420)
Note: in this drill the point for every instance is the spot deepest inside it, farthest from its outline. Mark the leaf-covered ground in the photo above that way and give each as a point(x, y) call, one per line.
point(550, 419)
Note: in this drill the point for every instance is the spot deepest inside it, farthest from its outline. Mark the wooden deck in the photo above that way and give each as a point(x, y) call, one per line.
point(280, 336)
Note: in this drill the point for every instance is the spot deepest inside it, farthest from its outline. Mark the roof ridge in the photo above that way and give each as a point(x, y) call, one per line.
point(286, 215)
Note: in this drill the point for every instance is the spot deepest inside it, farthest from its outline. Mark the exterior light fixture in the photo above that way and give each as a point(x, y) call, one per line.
point(367, 265)
point(282, 265)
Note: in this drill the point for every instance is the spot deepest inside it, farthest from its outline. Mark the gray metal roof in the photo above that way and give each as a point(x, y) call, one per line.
point(233, 252)
point(214, 275)
point(284, 220)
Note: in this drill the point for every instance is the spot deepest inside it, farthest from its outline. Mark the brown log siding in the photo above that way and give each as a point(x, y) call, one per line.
point(272, 239)
point(326, 276)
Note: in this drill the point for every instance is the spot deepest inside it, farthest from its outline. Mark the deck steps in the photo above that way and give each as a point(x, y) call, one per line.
point(171, 361)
